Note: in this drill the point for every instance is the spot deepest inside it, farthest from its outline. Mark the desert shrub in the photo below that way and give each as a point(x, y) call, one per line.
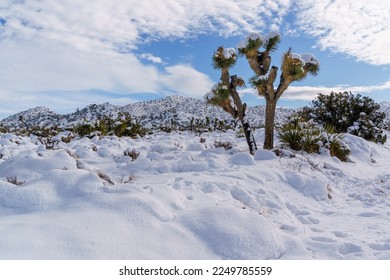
point(311, 137)
point(132, 153)
point(14, 180)
point(135, 129)
point(84, 129)
point(105, 177)
point(338, 148)
point(123, 125)
point(49, 142)
point(350, 113)
point(68, 138)
point(366, 128)
point(226, 145)
point(3, 129)
point(303, 136)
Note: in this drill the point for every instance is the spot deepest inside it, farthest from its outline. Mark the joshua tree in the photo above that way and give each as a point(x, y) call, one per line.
point(295, 67)
point(225, 95)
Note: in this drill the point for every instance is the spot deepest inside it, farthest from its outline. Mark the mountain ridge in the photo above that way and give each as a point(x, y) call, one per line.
point(151, 114)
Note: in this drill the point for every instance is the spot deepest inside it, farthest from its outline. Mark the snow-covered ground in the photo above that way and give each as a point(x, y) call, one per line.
point(183, 199)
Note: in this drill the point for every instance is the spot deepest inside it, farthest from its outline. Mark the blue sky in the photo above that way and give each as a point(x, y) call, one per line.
point(71, 53)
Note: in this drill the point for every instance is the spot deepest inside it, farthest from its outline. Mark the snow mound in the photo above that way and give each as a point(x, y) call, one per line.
point(182, 199)
point(29, 164)
point(265, 155)
point(235, 234)
point(311, 186)
point(242, 159)
point(361, 150)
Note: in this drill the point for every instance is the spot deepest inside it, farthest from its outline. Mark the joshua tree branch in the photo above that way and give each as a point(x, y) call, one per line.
point(283, 85)
point(236, 97)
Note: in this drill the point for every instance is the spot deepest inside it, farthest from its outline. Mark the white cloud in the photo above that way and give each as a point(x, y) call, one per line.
point(122, 24)
point(75, 46)
point(45, 66)
point(150, 57)
point(33, 67)
point(357, 28)
point(310, 92)
point(184, 80)
point(63, 78)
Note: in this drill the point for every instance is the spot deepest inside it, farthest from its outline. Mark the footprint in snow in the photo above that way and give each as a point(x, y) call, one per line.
point(253, 178)
point(289, 228)
point(208, 188)
point(368, 214)
point(328, 213)
point(296, 211)
point(380, 247)
point(313, 229)
point(314, 220)
point(349, 248)
point(340, 234)
point(323, 239)
point(177, 183)
point(188, 183)
point(303, 220)
point(148, 189)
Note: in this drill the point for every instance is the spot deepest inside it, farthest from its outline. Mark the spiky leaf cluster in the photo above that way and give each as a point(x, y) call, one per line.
point(293, 68)
point(258, 81)
point(250, 46)
point(296, 68)
point(219, 95)
point(272, 43)
point(311, 68)
point(224, 58)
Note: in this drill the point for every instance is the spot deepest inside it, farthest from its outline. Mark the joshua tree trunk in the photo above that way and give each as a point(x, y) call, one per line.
point(270, 109)
point(250, 139)
point(241, 109)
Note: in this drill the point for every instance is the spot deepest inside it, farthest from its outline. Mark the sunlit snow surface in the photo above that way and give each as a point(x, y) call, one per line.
point(183, 199)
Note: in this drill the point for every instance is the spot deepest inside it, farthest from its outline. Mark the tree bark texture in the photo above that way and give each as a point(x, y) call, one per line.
point(253, 60)
point(250, 139)
point(270, 109)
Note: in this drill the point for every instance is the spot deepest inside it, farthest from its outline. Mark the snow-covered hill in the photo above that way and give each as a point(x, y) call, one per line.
point(185, 198)
point(152, 114)
point(182, 196)
point(385, 107)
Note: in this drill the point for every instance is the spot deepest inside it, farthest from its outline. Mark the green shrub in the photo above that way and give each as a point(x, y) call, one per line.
point(301, 136)
point(350, 113)
point(121, 126)
point(311, 137)
point(84, 129)
point(338, 149)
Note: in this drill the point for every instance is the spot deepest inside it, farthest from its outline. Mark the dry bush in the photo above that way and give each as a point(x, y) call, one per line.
point(105, 177)
point(226, 145)
point(14, 180)
point(133, 154)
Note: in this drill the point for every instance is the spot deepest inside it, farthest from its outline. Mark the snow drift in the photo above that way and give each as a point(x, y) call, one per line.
point(183, 199)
